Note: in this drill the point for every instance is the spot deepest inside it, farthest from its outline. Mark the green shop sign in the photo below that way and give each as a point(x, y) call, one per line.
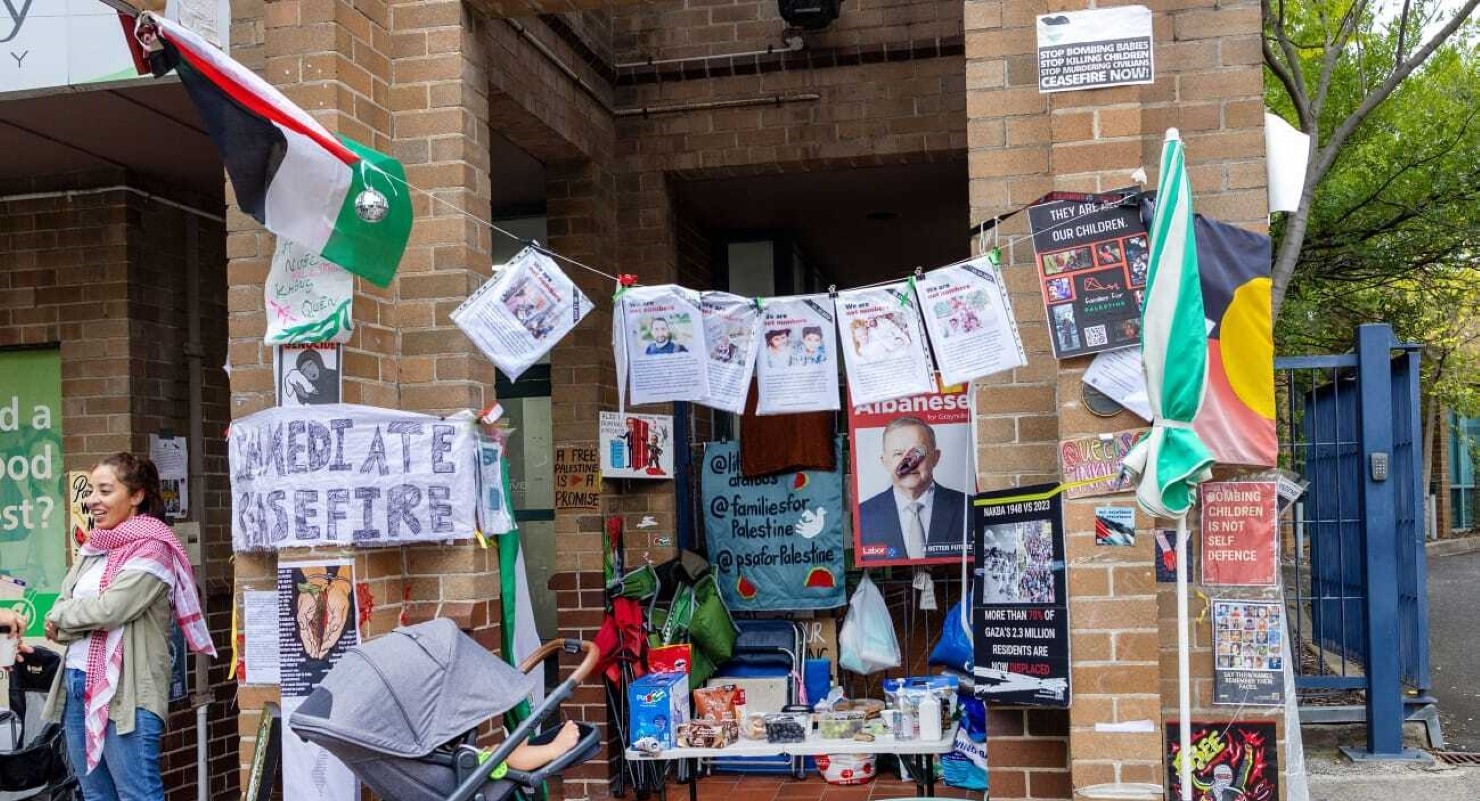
point(33, 508)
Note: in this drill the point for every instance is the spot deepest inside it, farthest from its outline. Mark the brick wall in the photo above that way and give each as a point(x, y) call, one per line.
point(1024, 144)
point(103, 275)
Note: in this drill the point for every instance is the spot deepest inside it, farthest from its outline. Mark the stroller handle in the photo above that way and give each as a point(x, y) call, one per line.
point(570, 646)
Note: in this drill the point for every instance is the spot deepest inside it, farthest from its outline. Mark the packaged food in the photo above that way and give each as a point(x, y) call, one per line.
point(753, 727)
point(716, 703)
point(703, 733)
point(846, 768)
point(787, 727)
point(839, 725)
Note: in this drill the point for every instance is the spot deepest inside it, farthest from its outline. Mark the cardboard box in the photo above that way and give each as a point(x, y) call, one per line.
point(656, 704)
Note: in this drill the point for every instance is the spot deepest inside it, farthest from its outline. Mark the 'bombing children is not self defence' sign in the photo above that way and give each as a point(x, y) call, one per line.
point(352, 475)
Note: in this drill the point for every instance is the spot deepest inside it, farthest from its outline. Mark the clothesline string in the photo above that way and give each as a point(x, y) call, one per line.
point(1011, 241)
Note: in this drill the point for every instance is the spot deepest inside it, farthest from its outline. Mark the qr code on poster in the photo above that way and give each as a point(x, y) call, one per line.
point(1094, 336)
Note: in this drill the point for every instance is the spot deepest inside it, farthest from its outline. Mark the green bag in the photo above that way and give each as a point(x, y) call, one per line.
point(639, 584)
point(710, 625)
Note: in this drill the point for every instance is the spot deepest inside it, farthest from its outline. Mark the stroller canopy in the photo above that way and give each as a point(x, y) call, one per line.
point(411, 691)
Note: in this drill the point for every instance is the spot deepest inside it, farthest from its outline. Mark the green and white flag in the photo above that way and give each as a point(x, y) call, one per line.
point(1170, 462)
point(520, 637)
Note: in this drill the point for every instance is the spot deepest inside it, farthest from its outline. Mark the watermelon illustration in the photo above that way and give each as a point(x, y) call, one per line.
point(820, 578)
point(799, 481)
point(745, 589)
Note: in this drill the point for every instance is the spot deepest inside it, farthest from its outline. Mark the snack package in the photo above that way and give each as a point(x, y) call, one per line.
point(717, 703)
point(708, 733)
point(670, 658)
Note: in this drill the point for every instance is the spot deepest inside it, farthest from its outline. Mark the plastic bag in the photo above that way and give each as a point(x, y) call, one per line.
point(846, 768)
point(866, 643)
point(966, 765)
point(954, 649)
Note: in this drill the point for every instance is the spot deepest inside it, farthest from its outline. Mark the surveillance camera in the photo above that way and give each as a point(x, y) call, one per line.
point(812, 15)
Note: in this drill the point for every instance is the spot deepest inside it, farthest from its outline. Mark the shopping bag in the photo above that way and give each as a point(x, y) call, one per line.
point(866, 643)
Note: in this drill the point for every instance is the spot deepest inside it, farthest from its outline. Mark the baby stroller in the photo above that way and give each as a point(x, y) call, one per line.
point(403, 713)
point(33, 753)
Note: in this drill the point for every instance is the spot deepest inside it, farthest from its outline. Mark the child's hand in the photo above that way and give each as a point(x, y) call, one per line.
point(569, 735)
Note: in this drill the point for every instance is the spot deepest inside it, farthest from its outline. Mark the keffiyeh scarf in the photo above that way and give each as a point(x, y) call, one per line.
point(141, 543)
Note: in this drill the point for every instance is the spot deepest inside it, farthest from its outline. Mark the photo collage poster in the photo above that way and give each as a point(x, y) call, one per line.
point(1093, 259)
point(1020, 615)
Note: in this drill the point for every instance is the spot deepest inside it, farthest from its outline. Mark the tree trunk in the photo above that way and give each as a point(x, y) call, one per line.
point(1430, 435)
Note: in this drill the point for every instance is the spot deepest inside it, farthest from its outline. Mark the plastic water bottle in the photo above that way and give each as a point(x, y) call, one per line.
point(930, 718)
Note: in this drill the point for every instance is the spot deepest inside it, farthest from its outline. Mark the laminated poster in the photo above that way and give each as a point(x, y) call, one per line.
point(1248, 653)
point(1092, 258)
point(1098, 459)
point(1095, 48)
point(972, 328)
point(318, 622)
point(494, 513)
point(911, 478)
point(797, 369)
point(1239, 531)
point(732, 333)
point(308, 298)
point(1232, 760)
point(308, 375)
point(519, 314)
point(666, 355)
point(883, 344)
point(776, 542)
point(1020, 615)
point(350, 475)
point(636, 445)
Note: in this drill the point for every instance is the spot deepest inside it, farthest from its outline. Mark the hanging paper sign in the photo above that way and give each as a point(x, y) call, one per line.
point(883, 344)
point(350, 475)
point(666, 353)
point(1232, 760)
point(1248, 655)
point(776, 543)
point(1099, 456)
point(495, 516)
point(519, 314)
point(1092, 263)
point(1239, 527)
point(911, 476)
point(797, 369)
point(1094, 49)
point(1121, 375)
point(80, 525)
point(308, 375)
point(577, 478)
point(636, 445)
point(732, 334)
point(1020, 615)
point(308, 298)
point(318, 623)
point(972, 328)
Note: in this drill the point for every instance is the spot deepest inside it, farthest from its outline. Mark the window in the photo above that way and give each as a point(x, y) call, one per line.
point(1464, 447)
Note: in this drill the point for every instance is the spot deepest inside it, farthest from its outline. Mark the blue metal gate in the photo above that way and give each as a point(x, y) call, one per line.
point(1354, 566)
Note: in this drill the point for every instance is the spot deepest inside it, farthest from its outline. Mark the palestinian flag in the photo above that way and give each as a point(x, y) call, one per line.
point(289, 173)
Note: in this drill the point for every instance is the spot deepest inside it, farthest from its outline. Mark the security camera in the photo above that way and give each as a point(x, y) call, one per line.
point(812, 15)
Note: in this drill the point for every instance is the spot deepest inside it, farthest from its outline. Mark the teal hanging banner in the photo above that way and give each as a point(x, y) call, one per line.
point(776, 543)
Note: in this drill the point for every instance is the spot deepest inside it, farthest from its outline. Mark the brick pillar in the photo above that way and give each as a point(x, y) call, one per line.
point(407, 79)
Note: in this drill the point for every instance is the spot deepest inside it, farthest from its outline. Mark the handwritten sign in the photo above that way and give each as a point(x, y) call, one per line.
point(1238, 531)
point(350, 475)
point(1101, 457)
point(577, 478)
point(308, 299)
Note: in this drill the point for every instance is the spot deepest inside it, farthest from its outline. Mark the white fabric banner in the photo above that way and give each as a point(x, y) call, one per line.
point(308, 298)
point(883, 344)
point(972, 328)
point(666, 349)
point(519, 314)
point(1287, 153)
point(350, 475)
point(732, 327)
point(797, 368)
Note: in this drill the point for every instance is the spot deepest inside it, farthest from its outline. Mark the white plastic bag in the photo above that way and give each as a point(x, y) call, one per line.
point(867, 643)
